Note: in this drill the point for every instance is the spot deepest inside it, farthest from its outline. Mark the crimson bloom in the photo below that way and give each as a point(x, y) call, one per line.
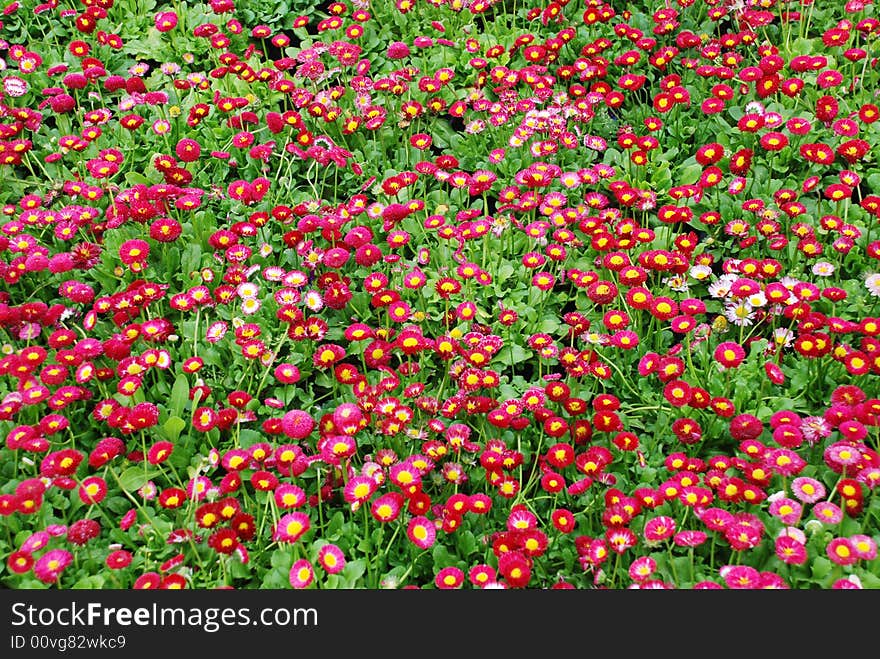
point(729, 354)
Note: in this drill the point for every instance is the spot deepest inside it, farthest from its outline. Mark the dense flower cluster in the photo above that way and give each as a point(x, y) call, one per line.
point(442, 294)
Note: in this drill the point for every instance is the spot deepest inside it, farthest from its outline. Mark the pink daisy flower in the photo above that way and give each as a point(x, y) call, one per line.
point(787, 510)
point(421, 532)
point(659, 528)
point(740, 577)
point(301, 574)
point(449, 578)
point(642, 568)
point(49, 566)
point(297, 424)
point(291, 527)
point(842, 551)
point(689, 538)
point(828, 513)
point(864, 546)
point(790, 550)
point(807, 490)
point(331, 558)
point(359, 489)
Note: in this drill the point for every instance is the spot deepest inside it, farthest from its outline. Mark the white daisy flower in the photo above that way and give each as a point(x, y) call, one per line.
point(700, 272)
point(314, 301)
point(872, 283)
point(783, 337)
point(250, 306)
point(720, 288)
point(739, 313)
point(823, 269)
point(676, 283)
point(247, 290)
point(757, 299)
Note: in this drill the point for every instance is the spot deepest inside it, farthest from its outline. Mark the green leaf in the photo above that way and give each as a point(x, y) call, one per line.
point(191, 259)
point(682, 569)
point(870, 580)
point(281, 559)
point(118, 505)
point(171, 259)
point(442, 557)
point(821, 568)
point(353, 571)
point(276, 579)
point(444, 135)
point(136, 178)
point(179, 395)
point(248, 437)
point(334, 526)
point(512, 355)
point(91, 582)
point(134, 478)
point(173, 427)
point(661, 179)
point(238, 569)
point(689, 175)
point(548, 326)
point(466, 542)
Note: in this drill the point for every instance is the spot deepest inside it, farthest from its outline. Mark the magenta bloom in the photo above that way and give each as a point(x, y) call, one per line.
point(774, 373)
point(397, 50)
point(808, 490)
point(331, 558)
point(741, 577)
point(134, 251)
point(790, 550)
point(128, 519)
point(359, 489)
point(828, 513)
point(19, 562)
point(847, 583)
point(386, 508)
point(165, 21)
point(118, 559)
point(291, 527)
point(729, 354)
point(841, 551)
point(449, 578)
point(864, 546)
point(35, 542)
point(421, 532)
point(772, 581)
point(787, 510)
point(288, 495)
point(659, 528)
point(689, 538)
point(642, 568)
point(297, 424)
point(83, 530)
point(49, 566)
point(301, 574)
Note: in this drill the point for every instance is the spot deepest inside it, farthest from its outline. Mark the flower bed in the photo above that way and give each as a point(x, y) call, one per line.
point(439, 294)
